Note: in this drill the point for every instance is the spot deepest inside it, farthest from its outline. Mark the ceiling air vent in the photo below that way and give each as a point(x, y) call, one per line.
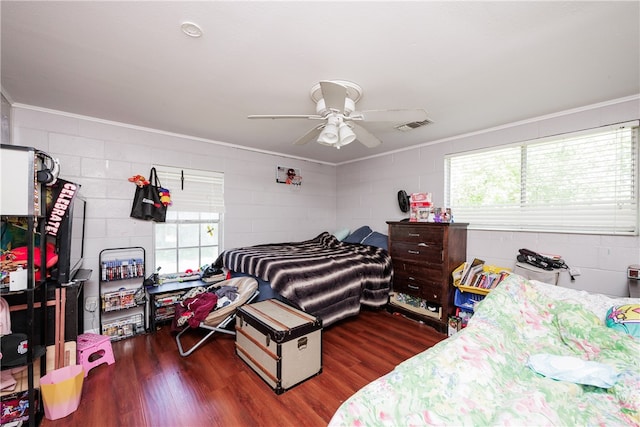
point(413, 125)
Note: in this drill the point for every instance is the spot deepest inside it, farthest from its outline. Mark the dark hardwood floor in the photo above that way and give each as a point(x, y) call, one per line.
point(152, 385)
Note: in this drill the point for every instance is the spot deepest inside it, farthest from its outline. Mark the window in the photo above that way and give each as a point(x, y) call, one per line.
point(191, 235)
point(583, 182)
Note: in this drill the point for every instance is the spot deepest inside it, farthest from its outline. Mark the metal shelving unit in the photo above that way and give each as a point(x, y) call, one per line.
point(123, 308)
point(19, 165)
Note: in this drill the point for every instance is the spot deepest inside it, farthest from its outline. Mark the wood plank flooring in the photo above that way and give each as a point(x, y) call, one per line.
point(152, 385)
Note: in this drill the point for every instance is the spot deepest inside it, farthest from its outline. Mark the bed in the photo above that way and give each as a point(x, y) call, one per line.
point(494, 372)
point(326, 277)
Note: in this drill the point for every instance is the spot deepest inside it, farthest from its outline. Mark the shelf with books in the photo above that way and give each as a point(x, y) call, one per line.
point(121, 299)
point(477, 277)
point(121, 269)
point(122, 294)
point(164, 297)
point(473, 281)
point(126, 327)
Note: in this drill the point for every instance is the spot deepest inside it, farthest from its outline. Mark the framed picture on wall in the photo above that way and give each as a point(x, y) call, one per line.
point(289, 176)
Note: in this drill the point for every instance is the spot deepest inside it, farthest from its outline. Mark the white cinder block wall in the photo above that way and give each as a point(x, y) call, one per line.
point(102, 156)
point(370, 198)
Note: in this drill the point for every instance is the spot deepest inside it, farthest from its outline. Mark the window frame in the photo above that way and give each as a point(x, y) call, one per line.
point(191, 215)
point(178, 247)
point(522, 215)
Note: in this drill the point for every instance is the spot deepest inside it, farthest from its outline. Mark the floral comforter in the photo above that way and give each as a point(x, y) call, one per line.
point(480, 375)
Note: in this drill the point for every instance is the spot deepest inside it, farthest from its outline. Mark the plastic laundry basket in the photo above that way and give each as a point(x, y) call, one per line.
point(61, 391)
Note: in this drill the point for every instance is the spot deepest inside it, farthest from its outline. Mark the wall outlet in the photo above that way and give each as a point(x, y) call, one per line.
point(91, 304)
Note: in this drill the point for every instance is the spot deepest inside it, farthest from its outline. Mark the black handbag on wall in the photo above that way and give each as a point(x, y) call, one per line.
point(146, 202)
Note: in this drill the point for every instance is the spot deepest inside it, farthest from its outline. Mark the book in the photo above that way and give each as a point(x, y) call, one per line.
point(502, 275)
point(475, 281)
point(474, 269)
point(15, 407)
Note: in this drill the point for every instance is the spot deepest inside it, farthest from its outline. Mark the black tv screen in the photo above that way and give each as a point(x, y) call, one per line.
point(70, 242)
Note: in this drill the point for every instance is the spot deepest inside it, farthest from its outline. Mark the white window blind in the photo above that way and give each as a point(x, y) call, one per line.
point(584, 182)
point(193, 190)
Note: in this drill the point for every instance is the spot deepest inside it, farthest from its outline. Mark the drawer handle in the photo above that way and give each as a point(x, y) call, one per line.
point(411, 278)
point(414, 234)
point(414, 252)
point(414, 287)
point(424, 245)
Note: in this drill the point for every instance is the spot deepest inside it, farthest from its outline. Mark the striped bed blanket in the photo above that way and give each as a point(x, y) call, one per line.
point(323, 276)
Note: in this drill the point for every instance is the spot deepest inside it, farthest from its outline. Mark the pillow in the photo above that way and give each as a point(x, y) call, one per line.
point(573, 369)
point(376, 239)
point(341, 234)
point(358, 235)
point(625, 318)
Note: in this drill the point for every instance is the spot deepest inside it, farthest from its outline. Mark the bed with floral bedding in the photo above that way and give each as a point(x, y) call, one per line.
point(485, 375)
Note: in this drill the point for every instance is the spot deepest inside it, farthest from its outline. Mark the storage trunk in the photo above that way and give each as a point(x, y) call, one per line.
point(281, 344)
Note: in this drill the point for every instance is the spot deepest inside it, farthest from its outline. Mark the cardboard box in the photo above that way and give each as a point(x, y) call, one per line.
point(455, 324)
point(420, 207)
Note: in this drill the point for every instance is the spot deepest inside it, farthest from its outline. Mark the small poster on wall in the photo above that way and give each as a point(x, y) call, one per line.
point(290, 176)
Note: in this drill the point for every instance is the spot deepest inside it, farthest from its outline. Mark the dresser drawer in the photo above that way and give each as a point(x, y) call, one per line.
point(417, 285)
point(431, 253)
point(417, 234)
point(433, 272)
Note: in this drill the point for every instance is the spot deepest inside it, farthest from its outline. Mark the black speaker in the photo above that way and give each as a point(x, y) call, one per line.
point(403, 201)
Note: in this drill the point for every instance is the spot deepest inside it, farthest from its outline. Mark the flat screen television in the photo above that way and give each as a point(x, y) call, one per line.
point(70, 243)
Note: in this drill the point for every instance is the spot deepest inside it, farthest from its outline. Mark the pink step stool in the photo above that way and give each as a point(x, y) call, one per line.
point(90, 344)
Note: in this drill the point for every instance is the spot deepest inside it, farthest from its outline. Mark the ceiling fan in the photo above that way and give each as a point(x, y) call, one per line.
point(335, 106)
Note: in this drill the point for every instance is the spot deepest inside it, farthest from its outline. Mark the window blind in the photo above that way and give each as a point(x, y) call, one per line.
point(584, 182)
point(193, 190)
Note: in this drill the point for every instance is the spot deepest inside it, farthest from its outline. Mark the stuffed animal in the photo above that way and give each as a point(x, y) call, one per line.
point(19, 256)
point(165, 196)
point(139, 180)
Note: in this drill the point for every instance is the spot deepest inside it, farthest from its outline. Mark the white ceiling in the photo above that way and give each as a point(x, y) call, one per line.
point(471, 65)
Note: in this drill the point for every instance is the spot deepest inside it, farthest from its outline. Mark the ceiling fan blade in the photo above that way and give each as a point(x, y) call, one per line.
point(309, 136)
point(398, 116)
point(365, 137)
point(334, 95)
point(286, 116)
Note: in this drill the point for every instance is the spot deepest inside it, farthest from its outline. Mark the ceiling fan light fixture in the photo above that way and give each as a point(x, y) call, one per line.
point(336, 106)
point(321, 107)
point(349, 106)
point(347, 136)
point(329, 135)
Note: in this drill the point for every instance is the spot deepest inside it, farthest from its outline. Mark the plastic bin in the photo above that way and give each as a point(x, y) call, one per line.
point(61, 391)
point(466, 300)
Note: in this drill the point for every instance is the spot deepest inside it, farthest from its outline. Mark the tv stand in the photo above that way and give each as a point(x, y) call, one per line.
point(82, 275)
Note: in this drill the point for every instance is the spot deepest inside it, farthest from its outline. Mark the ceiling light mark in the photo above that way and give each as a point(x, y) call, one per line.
point(191, 29)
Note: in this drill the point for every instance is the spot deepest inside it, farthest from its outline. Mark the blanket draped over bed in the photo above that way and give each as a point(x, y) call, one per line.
point(480, 375)
point(323, 276)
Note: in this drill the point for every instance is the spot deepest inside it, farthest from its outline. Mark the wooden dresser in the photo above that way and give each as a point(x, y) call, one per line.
point(424, 255)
